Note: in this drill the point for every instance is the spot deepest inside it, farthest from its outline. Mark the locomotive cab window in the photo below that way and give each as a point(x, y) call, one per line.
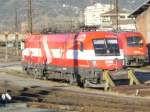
point(134, 41)
point(106, 47)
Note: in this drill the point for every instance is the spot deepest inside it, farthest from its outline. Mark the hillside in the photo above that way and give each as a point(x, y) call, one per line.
point(49, 9)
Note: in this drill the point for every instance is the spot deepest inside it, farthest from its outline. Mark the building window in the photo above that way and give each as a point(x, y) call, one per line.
point(122, 17)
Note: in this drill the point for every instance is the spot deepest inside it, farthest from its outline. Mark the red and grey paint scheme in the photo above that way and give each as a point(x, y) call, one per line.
point(134, 48)
point(83, 53)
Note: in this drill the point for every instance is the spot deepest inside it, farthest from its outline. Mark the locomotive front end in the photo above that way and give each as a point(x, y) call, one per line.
point(134, 47)
point(108, 53)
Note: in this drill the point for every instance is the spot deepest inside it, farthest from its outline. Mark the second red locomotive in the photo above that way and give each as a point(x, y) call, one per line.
point(134, 48)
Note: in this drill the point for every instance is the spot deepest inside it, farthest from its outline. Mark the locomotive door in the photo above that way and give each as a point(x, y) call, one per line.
point(62, 51)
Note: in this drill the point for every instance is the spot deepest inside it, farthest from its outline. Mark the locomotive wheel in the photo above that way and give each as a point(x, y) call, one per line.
point(80, 81)
point(24, 70)
point(45, 75)
point(85, 83)
point(35, 73)
point(72, 80)
point(29, 71)
point(40, 73)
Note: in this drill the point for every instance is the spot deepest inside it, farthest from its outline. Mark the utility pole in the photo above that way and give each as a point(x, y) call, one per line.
point(30, 16)
point(117, 19)
point(16, 30)
point(70, 17)
point(16, 19)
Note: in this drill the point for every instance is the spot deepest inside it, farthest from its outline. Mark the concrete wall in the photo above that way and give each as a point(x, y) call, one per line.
point(143, 24)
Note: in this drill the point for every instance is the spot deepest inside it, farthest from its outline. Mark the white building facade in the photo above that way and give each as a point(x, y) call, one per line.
point(92, 14)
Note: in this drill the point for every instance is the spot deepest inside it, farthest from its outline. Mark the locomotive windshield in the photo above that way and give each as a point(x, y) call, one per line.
point(135, 41)
point(106, 47)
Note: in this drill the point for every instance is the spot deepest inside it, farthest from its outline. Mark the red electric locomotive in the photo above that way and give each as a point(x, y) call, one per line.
point(79, 57)
point(134, 48)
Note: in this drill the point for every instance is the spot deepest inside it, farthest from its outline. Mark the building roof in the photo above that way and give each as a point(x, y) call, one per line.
point(140, 9)
point(113, 11)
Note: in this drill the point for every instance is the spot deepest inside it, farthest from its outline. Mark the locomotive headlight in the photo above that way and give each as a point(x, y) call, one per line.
point(109, 61)
point(94, 63)
point(116, 60)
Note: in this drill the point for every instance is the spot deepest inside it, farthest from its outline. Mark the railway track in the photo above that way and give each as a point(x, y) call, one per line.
point(62, 96)
point(68, 99)
point(139, 90)
point(59, 98)
point(11, 64)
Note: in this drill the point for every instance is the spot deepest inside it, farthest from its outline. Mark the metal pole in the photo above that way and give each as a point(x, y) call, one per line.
point(30, 16)
point(17, 49)
point(116, 23)
point(70, 16)
point(6, 46)
point(117, 20)
point(16, 19)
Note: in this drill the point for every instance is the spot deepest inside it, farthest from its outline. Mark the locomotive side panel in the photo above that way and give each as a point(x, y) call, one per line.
point(33, 51)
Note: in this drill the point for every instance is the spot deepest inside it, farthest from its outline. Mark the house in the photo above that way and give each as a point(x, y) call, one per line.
point(92, 14)
point(109, 20)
